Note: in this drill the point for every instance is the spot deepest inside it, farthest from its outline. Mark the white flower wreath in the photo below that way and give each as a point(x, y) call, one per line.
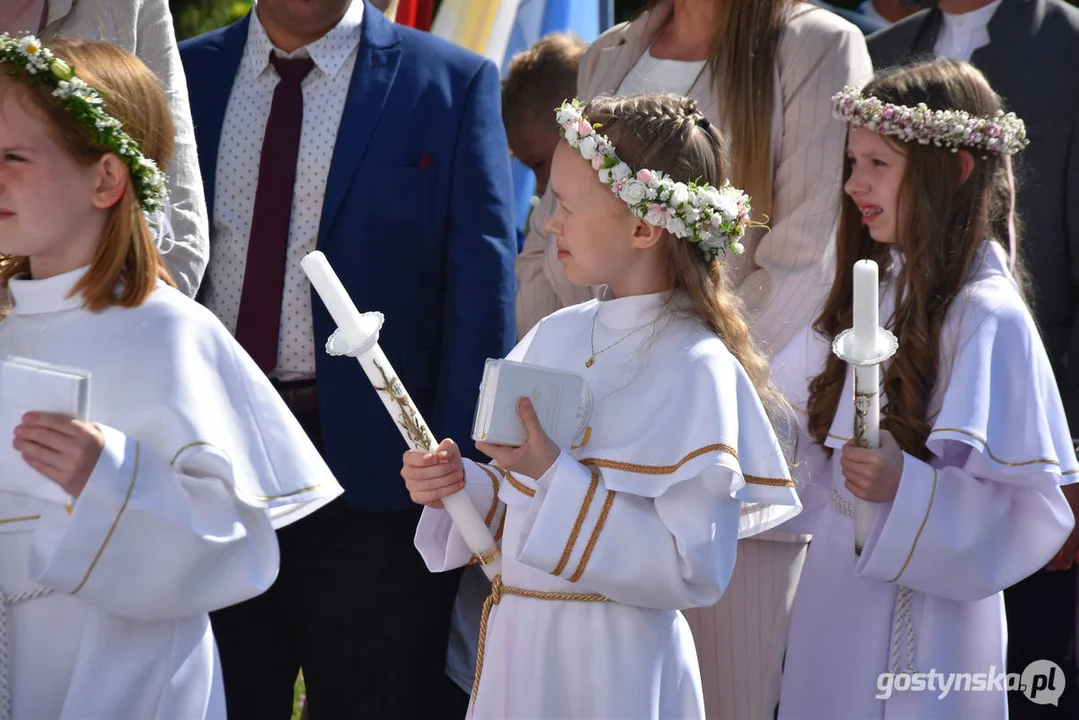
point(714, 218)
point(86, 105)
point(1003, 134)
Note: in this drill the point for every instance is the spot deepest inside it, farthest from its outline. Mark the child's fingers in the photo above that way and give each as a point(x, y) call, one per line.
point(431, 472)
point(43, 435)
point(429, 491)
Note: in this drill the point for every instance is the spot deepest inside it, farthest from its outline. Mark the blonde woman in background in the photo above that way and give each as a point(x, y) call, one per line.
point(144, 29)
point(765, 70)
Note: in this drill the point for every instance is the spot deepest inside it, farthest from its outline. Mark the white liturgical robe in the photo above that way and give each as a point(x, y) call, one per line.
point(639, 519)
point(175, 521)
point(983, 512)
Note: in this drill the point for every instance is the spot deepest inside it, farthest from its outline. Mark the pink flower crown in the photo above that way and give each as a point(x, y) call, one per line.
point(1003, 134)
point(714, 218)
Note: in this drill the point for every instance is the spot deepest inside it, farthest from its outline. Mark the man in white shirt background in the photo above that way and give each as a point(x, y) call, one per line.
point(1029, 52)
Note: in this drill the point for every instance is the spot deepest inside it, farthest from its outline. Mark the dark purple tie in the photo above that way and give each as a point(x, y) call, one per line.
point(259, 319)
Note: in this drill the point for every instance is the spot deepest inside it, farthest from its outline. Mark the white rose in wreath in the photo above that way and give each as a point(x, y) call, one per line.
point(679, 194)
point(676, 226)
point(621, 171)
point(633, 192)
point(587, 147)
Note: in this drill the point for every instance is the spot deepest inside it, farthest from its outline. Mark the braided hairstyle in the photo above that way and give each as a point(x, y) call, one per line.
point(668, 133)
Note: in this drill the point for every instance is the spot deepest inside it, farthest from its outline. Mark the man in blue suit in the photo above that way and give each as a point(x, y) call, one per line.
point(321, 124)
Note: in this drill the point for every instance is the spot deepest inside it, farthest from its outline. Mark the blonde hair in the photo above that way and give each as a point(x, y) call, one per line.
point(669, 134)
point(126, 264)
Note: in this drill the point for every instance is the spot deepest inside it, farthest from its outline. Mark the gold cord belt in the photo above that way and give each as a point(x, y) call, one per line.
point(497, 591)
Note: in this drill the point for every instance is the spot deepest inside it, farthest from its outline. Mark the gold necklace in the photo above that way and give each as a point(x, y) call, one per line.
point(592, 339)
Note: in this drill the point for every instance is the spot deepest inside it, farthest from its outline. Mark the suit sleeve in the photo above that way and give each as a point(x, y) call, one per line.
point(481, 244)
point(793, 260)
point(187, 258)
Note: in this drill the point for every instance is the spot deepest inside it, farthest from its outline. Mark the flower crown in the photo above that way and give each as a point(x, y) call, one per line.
point(86, 105)
point(1003, 134)
point(714, 218)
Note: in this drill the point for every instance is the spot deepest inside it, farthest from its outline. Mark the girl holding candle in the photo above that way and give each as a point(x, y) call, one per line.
point(973, 441)
point(604, 542)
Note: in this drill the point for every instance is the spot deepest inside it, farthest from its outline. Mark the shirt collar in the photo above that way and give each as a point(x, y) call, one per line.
point(973, 19)
point(329, 52)
point(34, 297)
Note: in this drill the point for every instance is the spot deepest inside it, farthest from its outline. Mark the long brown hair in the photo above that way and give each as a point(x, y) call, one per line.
point(127, 263)
point(669, 134)
point(942, 222)
point(742, 61)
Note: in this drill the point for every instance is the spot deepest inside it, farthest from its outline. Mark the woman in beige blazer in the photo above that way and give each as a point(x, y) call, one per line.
point(143, 28)
point(791, 165)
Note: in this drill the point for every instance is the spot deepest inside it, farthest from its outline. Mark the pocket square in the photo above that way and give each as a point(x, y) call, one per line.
point(426, 160)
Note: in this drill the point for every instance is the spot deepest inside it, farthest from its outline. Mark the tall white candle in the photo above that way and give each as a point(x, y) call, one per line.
point(866, 381)
point(360, 333)
point(866, 317)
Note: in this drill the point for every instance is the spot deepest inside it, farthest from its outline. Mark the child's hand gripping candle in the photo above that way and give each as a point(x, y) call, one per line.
point(973, 444)
point(357, 336)
point(865, 347)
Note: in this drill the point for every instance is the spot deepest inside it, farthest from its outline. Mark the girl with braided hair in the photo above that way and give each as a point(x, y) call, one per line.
point(605, 541)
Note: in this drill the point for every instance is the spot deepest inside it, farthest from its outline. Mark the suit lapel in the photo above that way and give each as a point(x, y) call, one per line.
point(224, 63)
point(1011, 26)
point(377, 60)
point(925, 39)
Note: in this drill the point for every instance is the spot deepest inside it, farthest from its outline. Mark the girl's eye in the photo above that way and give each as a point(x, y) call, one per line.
point(12, 157)
point(879, 163)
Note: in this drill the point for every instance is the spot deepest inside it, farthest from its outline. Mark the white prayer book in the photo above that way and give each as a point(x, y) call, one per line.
point(33, 386)
point(563, 403)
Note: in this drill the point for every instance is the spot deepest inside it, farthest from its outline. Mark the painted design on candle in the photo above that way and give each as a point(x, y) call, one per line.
point(863, 402)
point(408, 418)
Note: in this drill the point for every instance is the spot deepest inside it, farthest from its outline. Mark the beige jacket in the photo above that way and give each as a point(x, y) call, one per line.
point(144, 28)
point(786, 271)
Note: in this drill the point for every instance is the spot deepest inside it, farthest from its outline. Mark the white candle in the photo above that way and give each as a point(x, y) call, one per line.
point(334, 296)
point(866, 379)
point(866, 319)
point(359, 335)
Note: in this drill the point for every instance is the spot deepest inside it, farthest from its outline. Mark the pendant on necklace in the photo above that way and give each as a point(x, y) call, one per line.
point(589, 361)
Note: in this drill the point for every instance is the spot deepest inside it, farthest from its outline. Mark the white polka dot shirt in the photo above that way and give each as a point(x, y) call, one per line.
point(324, 93)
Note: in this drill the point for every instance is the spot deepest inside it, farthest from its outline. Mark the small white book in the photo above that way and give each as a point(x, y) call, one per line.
point(563, 403)
point(33, 386)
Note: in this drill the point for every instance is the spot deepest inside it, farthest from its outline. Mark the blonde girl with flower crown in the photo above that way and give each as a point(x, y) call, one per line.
point(605, 541)
point(120, 533)
point(974, 443)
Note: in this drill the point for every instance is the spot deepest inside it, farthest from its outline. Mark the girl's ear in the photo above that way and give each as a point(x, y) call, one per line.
point(966, 165)
point(112, 179)
point(645, 235)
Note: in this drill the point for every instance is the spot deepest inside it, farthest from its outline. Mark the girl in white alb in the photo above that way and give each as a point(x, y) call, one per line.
point(605, 541)
point(974, 443)
point(119, 535)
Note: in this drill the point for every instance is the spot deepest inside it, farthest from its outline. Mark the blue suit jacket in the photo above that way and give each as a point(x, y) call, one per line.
point(417, 222)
